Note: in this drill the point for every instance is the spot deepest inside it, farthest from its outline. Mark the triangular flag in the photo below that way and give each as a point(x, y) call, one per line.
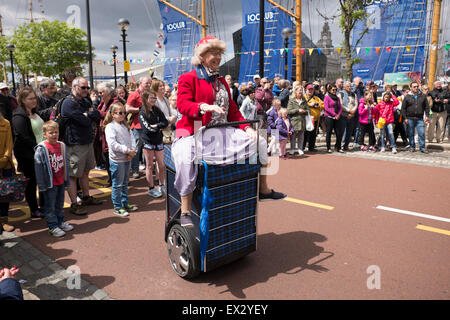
point(319, 51)
point(153, 60)
point(447, 46)
point(388, 49)
point(281, 51)
point(357, 50)
point(311, 51)
point(294, 50)
point(287, 50)
point(253, 53)
point(408, 48)
point(367, 50)
point(378, 50)
point(339, 50)
point(267, 52)
point(302, 51)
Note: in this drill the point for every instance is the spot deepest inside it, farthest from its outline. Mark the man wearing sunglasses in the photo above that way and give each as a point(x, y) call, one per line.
point(79, 136)
point(414, 107)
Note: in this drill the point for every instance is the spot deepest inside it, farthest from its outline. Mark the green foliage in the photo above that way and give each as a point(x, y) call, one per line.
point(47, 48)
point(352, 11)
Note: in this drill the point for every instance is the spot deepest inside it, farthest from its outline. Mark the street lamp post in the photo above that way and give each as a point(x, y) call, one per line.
point(114, 49)
point(286, 34)
point(124, 25)
point(11, 49)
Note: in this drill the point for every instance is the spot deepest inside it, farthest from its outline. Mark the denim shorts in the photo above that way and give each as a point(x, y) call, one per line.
point(157, 147)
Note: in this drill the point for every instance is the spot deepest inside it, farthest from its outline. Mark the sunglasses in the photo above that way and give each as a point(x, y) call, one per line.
point(119, 113)
point(84, 88)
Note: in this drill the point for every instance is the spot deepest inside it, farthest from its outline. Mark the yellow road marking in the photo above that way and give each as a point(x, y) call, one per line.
point(311, 204)
point(436, 230)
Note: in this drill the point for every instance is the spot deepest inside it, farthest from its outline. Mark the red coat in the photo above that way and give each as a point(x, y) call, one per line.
point(192, 92)
point(386, 110)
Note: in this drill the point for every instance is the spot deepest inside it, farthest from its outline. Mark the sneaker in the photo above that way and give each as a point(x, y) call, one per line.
point(65, 226)
point(142, 166)
point(394, 151)
point(186, 221)
point(130, 208)
point(383, 149)
point(372, 149)
point(155, 193)
point(56, 232)
point(136, 175)
point(163, 189)
point(121, 212)
point(273, 195)
point(77, 209)
point(37, 214)
point(363, 148)
point(356, 145)
point(300, 152)
point(411, 150)
point(291, 152)
point(90, 200)
point(424, 151)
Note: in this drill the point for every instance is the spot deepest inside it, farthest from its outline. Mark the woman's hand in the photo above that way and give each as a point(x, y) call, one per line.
point(212, 108)
point(301, 110)
point(251, 133)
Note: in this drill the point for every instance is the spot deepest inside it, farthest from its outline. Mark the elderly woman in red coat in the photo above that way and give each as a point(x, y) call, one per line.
point(204, 98)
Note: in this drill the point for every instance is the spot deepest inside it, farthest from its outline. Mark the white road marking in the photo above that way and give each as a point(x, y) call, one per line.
point(412, 213)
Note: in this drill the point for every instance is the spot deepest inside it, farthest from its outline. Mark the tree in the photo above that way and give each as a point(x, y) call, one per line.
point(352, 11)
point(47, 48)
point(4, 55)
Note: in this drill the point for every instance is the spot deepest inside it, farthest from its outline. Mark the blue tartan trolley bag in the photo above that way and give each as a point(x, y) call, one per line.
point(224, 214)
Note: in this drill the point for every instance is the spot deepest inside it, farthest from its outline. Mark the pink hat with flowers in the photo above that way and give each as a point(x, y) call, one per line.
point(207, 43)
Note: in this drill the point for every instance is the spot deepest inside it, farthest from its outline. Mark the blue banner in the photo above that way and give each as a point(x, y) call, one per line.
point(398, 29)
point(275, 21)
point(180, 36)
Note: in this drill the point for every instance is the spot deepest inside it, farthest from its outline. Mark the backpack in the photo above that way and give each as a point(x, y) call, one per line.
point(56, 116)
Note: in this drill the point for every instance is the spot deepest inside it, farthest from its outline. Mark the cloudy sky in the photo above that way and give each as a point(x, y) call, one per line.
point(145, 20)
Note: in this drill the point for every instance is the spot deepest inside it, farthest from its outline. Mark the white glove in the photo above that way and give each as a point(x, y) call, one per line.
point(211, 108)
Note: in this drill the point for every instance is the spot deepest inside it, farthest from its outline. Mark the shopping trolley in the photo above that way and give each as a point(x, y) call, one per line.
point(232, 214)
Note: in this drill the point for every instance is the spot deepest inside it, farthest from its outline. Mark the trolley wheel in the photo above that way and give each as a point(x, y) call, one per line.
point(184, 251)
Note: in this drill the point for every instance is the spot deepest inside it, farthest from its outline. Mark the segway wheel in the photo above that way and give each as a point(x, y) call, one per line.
point(184, 252)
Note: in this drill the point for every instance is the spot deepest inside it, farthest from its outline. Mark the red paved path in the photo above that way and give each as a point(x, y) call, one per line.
point(303, 252)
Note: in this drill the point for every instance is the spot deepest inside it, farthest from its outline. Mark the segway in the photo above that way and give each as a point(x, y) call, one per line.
point(231, 231)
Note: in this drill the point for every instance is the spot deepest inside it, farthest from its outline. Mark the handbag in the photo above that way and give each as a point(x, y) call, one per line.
point(309, 122)
point(167, 135)
point(12, 189)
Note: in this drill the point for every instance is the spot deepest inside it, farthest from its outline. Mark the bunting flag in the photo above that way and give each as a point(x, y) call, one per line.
point(268, 52)
point(447, 46)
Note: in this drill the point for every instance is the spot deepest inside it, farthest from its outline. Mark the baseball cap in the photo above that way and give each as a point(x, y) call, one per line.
point(3, 86)
point(256, 76)
point(309, 86)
